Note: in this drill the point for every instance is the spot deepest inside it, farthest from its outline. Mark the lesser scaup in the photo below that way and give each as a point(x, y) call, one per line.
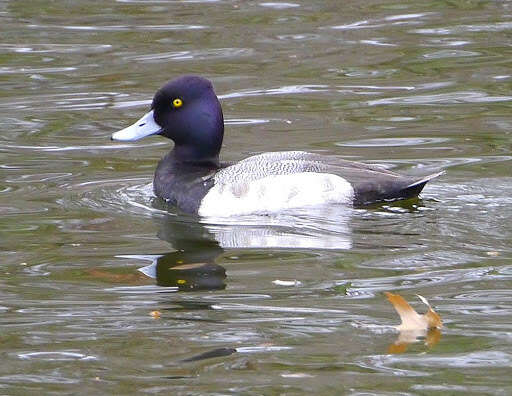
point(191, 176)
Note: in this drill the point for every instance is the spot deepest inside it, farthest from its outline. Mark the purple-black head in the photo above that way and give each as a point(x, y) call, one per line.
point(187, 111)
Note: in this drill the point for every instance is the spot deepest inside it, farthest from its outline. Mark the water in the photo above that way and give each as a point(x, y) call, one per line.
point(105, 290)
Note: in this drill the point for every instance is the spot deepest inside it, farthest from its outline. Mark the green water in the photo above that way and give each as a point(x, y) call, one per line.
point(91, 301)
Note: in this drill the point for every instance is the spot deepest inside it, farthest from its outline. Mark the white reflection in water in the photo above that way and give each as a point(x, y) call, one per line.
point(279, 6)
point(54, 356)
point(255, 349)
point(24, 70)
point(245, 121)
point(310, 228)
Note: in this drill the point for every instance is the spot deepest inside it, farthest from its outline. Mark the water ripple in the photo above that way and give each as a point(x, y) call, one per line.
point(120, 28)
point(114, 146)
point(280, 6)
point(196, 55)
point(444, 98)
point(166, 1)
point(37, 379)
point(424, 279)
point(284, 90)
point(400, 19)
point(393, 142)
point(119, 195)
point(62, 102)
point(481, 359)
point(245, 121)
point(263, 308)
point(473, 28)
point(450, 54)
point(31, 70)
point(54, 48)
point(56, 356)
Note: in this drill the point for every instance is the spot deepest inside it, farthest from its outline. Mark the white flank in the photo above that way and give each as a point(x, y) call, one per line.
point(276, 193)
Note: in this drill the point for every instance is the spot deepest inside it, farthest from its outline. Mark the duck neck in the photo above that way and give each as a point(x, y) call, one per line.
point(191, 155)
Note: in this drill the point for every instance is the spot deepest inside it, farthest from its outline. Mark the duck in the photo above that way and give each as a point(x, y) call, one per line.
point(192, 177)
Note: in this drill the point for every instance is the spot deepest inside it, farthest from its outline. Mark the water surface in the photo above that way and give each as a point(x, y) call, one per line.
point(104, 289)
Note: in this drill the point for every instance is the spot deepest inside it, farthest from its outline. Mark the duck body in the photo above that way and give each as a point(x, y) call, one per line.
point(191, 176)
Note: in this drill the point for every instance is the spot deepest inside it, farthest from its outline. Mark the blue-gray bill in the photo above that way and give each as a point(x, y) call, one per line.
point(145, 126)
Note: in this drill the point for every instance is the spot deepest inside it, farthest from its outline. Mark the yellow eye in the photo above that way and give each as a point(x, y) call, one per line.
point(177, 102)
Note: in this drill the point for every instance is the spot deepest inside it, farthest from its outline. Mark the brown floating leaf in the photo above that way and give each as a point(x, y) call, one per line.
point(155, 314)
point(414, 325)
point(411, 320)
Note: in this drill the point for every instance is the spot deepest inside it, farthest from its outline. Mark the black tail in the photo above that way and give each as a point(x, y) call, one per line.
point(412, 190)
point(389, 189)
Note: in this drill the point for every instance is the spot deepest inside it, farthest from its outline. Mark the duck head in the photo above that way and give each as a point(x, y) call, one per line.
point(187, 111)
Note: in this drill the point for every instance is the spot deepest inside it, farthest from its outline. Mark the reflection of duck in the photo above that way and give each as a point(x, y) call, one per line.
point(187, 111)
point(192, 266)
point(186, 277)
point(314, 228)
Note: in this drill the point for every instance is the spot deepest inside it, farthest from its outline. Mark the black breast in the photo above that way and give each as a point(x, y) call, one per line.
point(182, 184)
